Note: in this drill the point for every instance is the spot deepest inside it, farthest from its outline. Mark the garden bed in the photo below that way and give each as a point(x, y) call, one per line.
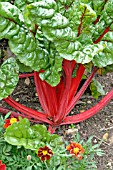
point(98, 125)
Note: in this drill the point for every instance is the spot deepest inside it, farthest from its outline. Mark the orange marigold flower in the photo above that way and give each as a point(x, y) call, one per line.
point(76, 150)
point(44, 153)
point(10, 121)
point(2, 166)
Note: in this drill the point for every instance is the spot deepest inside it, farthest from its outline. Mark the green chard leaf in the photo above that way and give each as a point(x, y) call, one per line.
point(21, 4)
point(23, 68)
point(8, 77)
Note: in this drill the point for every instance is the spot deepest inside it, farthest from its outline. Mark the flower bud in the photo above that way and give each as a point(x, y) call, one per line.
point(29, 157)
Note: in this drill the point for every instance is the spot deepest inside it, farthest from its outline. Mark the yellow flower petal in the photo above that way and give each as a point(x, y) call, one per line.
point(76, 150)
point(13, 120)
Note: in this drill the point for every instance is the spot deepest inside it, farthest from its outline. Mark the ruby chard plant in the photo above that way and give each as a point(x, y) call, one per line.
point(59, 42)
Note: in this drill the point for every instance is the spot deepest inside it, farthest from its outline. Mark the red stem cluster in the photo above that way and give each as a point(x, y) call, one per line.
point(58, 101)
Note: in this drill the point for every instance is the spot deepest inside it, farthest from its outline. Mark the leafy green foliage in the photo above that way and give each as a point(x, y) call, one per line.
point(31, 137)
point(15, 156)
point(8, 77)
point(42, 33)
point(19, 162)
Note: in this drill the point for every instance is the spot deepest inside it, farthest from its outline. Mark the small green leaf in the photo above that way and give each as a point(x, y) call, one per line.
point(7, 115)
point(96, 89)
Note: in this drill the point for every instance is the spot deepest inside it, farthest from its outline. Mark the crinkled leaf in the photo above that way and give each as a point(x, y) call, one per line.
point(8, 77)
point(8, 10)
point(78, 52)
point(37, 11)
point(52, 74)
point(21, 4)
point(29, 51)
point(105, 57)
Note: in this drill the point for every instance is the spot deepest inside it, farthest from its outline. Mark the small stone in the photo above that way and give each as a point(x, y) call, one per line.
point(109, 164)
point(82, 111)
point(36, 94)
point(89, 102)
point(71, 131)
point(17, 99)
point(95, 141)
point(78, 127)
point(105, 136)
point(27, 81)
